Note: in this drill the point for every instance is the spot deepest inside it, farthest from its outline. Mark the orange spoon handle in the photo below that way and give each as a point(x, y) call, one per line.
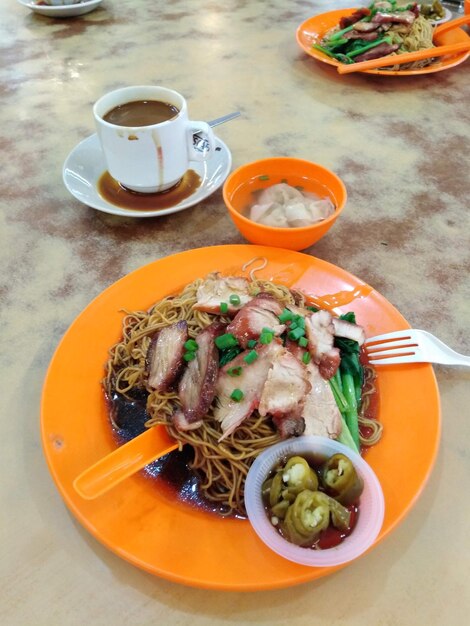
point(123, 462)
point(443, 28)
point(407, 57)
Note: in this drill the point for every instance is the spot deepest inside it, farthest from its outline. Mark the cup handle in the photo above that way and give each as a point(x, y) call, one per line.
point(201, 141)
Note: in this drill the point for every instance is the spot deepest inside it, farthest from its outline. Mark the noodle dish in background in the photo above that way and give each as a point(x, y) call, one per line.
point(231, 363)
point(380, 29)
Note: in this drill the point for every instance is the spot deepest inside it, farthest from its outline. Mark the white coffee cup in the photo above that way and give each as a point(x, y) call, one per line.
point(152, 158)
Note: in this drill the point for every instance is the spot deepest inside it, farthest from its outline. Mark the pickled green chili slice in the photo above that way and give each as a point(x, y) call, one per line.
point(341, 480)
point(275, 489)
point(297, 475)
point(280, 509)
point(306, 518)
point(340, 516)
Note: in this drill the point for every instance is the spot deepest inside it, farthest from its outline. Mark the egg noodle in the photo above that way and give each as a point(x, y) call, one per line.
point(419, 37)
point(221, 467)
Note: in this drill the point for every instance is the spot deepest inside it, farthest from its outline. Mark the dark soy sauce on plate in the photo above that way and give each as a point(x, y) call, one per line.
point(172, 471)
point(141, 113)
point(118, 195)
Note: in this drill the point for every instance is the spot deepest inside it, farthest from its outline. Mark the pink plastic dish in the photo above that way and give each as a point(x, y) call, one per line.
point(371, 504)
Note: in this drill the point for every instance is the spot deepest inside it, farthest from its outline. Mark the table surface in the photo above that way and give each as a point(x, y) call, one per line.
point(400, 144)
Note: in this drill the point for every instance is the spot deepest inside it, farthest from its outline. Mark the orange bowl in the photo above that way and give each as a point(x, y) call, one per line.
point(243, 182)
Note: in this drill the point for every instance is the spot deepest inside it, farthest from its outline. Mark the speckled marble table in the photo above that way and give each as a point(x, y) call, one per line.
point(401, 146)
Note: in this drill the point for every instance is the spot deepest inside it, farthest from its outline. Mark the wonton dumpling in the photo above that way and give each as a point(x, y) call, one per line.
point(281, 193)
point(271, 214)
point(284, 206)
point(298, 214)
point(320, 209)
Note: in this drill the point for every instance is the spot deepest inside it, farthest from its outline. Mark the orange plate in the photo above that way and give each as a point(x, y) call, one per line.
point(142, 522)
point(313, 30)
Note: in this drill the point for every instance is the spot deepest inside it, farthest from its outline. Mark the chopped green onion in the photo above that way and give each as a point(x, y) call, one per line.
point(251, 343)
point(300, 321)
point(237, 395)
point(296, 334)
point(225, 341)
point(306, 358)
point(313, 308)
point(284, 180)
point(266, 337)
point(223, 307)
point(189, 356)
point(235, 371)
point(191, 345)
point(234, 299)
point(264, 177)
point(286, 316)
point(250, 357)
point(303, 342)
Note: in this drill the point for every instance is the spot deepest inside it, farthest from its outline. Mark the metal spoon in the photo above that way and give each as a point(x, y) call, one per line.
point(223, 119)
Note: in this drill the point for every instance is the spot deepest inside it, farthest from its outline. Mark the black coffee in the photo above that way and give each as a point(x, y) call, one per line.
point(141, 113)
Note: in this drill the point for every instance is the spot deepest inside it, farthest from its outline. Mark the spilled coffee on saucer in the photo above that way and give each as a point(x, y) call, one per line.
point(141, 113)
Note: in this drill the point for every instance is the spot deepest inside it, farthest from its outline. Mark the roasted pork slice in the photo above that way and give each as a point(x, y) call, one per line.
point(320, 411)
point(261, 312)
point(165, 356)
point(231, 412)
point(217, 289)
point(196, 388)
point(364, 36)
point(354, 17)
point(286, 387)
point(288, 426)
point(181, 423)
point(382, 50)
point(364, 27)
point(319, 330)
point(345, 329)
point(400, 17)
point(284, 394)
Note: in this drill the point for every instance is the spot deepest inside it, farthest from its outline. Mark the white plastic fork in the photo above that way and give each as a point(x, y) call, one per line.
point(411, 346)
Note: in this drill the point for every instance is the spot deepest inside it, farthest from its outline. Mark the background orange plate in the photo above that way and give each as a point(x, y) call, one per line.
point(313, 30)
point(143, 523)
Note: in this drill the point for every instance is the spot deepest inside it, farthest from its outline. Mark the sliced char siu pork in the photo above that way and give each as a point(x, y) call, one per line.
point(230, 412)
point(217, 289)
point(196, 388)
point(345, 329)
point(320, 411)
point(181, 423)
point(284, 394)
point(261, 312)
point(319, 330)
point(165, 356)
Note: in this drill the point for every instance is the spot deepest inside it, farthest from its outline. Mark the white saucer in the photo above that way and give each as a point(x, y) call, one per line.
point(63, 10)
point(85, 165)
